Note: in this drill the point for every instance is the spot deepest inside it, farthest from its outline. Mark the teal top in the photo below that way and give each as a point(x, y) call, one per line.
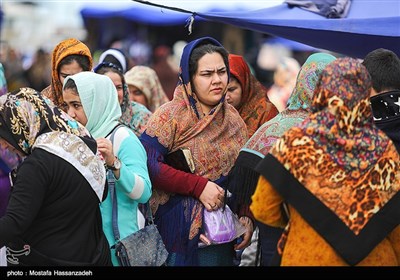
point(99, 99)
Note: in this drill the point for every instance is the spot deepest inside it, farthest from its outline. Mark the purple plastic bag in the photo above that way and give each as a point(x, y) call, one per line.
point(222, 226)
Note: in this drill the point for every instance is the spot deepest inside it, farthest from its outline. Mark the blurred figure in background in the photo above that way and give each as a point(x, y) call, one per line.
point(384, 67)
point(116, 57)
point(145, 87)
point(284, 81)
point(134, 115)
point(37, 75)
point(69, 57)
point(248, 95)
point(167, 74)
point(13, 62)
point(8, 161)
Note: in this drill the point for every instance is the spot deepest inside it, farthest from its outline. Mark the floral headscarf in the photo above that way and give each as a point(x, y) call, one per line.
point(63, 49)
point(244, 178)
point(25, 115)
point(146, 80)
point(29, 121)
point(345, 171)
point(255, 107)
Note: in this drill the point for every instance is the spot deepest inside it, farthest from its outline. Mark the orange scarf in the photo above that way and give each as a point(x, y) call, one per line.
point(63, 49)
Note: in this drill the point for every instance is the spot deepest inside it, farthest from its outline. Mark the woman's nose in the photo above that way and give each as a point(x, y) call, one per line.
point(71, 112)
point(217, 78)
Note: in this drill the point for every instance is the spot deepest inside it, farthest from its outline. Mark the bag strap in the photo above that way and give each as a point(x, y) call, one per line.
point(113, 194)
point(148, 215)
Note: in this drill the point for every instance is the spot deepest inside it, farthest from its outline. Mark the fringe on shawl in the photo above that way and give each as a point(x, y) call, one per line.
point(179, 222)
point(155, 153)
point(243, 179)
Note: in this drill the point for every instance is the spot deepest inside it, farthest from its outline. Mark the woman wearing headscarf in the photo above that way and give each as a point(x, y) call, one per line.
point(53, 216)
point(115, 56)
point(285, 76)
point(145, 87)
point(339, 176)
point(198, 118)
point(248, 95)
point(69, 57)
point(92, 100)
point(8, 161)
point(134, 115)
point(243, 176)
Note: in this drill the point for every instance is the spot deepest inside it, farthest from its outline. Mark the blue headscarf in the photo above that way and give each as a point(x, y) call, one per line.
point(187, 52)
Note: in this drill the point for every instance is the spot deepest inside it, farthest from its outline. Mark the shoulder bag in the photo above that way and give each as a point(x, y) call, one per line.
point(144, 247)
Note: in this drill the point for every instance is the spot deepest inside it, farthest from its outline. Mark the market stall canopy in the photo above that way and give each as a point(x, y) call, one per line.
point(136, 13)
point(369, 25)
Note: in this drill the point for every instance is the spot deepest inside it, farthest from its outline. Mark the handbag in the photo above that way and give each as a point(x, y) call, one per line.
point(181, 159)
point(144, 247)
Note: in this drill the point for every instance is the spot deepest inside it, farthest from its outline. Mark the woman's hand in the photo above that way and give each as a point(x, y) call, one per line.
point(204, 239)
point(105, 147)
point(212, 196)
point(248, 224)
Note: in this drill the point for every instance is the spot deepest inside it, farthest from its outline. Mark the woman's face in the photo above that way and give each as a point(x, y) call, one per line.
point(68, 70)
point(137, 95)
point(281, 76)
point(116, 79)
point(234, 93)
point(73, 106)
point(210, 80)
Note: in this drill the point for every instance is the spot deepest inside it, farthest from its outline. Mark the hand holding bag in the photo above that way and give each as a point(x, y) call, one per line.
point(222, 225)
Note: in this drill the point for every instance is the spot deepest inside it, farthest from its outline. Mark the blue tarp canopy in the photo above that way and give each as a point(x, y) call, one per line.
point(370, 24)
point(137, 13)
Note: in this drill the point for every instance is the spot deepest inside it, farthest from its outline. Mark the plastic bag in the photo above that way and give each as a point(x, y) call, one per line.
point(222, 225)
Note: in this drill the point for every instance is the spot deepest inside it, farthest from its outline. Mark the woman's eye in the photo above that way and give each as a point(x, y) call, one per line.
point(137, 92)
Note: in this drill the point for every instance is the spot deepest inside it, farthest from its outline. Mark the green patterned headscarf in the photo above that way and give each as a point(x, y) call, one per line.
point(99, 99)
point(244, 177)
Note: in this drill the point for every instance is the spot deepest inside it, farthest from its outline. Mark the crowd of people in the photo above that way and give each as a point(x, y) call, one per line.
point(310, 167)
